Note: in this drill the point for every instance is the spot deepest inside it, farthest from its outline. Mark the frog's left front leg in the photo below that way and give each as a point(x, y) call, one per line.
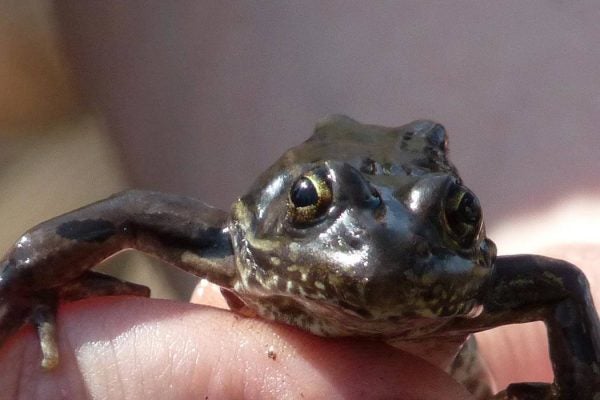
point(528, 288)
point(51, 262)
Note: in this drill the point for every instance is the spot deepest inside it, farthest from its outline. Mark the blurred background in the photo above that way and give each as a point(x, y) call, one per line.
point(198, 97)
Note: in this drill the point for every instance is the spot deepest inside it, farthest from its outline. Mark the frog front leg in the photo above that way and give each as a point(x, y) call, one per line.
point(50, 263)
point(526, 288)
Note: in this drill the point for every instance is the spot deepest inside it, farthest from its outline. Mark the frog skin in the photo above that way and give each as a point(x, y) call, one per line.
point(360, 231)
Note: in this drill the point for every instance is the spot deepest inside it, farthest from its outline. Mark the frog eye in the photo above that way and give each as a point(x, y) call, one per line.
point(463, 214)
point(309, 198)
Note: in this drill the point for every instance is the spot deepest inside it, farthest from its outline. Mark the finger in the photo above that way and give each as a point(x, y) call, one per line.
point(124, 348)
point(516, 353)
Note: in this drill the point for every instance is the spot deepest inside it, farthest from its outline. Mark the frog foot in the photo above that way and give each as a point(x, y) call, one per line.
point(39, 308)
point(528, 391)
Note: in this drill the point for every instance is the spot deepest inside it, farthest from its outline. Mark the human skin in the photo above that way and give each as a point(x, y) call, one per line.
point(131, 348)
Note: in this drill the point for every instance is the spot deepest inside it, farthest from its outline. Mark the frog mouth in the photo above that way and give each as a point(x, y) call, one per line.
point(241, 216)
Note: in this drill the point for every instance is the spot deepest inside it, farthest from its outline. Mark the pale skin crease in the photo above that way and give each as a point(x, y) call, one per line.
point(130, 348)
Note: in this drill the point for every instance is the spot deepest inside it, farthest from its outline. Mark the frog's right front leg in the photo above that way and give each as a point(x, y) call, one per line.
point(51, 262)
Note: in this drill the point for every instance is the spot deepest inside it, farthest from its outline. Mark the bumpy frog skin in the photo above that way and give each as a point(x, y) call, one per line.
point(360, 231)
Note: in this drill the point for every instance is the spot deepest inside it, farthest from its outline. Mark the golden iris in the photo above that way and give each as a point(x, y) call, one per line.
point(309, 198)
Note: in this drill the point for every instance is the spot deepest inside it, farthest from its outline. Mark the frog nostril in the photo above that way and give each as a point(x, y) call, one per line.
point(373, 199)
point(421, 249)
point(374, 192)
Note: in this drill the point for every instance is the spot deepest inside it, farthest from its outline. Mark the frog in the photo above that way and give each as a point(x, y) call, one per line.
point(362, 231)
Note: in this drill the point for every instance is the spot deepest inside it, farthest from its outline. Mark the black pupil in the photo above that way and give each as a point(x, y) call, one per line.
point(304, 193)
point(469, 208)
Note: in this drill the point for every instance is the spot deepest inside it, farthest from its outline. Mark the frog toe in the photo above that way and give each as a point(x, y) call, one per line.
point(528, 391)
point(44, 320)
point(38, 309)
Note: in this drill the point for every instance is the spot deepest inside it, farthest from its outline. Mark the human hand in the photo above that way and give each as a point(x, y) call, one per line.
point(131, 348)
point(119, 348)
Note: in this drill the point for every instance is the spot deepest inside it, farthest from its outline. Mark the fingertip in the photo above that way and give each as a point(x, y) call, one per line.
point(134, 348)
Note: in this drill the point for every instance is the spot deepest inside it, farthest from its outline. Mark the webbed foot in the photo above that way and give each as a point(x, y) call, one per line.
point(39, 308)
point(528, 391)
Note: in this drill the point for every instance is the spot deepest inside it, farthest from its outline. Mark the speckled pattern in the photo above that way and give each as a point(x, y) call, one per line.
point(360, 231)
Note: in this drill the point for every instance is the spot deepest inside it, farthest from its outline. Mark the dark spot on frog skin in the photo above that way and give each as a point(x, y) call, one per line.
point(437, 137)
point(370, 167)
point(204, 238)
point(87, 230)
point(281, 285)
point(203, 241)
point(355, 243)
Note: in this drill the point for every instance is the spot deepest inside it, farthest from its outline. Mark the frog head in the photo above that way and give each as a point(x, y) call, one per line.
point(362, 229)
